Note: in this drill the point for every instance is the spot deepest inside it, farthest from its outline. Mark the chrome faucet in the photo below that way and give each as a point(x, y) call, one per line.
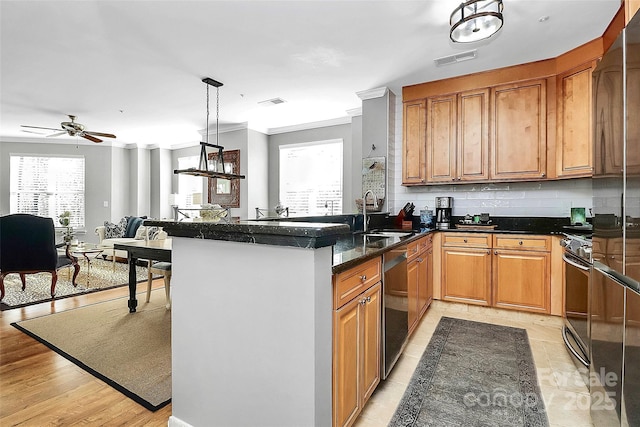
point(365, 227)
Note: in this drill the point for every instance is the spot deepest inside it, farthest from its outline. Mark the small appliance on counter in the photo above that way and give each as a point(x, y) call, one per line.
point(444, 206)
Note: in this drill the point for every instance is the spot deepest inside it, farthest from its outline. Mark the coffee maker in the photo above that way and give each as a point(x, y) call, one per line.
point(443, 212)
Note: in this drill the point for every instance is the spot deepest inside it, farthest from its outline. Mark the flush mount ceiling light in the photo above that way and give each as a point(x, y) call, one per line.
point(203, 168)
point(476, 20)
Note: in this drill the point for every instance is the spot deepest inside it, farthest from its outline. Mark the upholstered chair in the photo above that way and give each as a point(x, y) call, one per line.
point(28, 245)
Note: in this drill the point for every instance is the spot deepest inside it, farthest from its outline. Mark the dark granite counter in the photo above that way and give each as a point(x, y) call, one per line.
point(352, 250)
point(279, 233)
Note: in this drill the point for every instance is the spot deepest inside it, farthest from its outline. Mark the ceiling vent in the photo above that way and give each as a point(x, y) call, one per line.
point(274, 101)
point(458, 57)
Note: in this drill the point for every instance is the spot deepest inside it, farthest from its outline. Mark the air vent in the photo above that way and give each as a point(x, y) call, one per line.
point(274, 101)
point(458, 57)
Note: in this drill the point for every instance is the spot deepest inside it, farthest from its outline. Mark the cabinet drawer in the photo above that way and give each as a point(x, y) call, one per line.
point(467, 240)
point(413, 249)
point(425, 243)
point(522, 242)
point(349, 284)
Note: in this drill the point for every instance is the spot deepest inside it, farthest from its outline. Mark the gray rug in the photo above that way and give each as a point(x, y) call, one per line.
point(38, 289)
point(473, 374)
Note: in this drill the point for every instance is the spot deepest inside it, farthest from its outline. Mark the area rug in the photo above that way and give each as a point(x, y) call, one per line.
point(130, 352)
point(38, 289)
point(473, 374)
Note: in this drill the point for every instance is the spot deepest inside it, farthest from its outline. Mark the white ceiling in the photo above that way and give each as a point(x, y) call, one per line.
point(134, 68)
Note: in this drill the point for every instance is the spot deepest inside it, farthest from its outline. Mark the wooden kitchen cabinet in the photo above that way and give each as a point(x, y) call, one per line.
point(457, 137)
point(519, 131)
point(414, 149)
point(356, 341)
point(521, 272)
point(466, 268)
point(574, 155)
point(419, 279)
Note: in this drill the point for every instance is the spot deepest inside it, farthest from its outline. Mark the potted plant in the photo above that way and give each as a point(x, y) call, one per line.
point(65, 219)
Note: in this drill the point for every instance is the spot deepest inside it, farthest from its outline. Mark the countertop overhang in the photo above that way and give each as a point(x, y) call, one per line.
point(279, 233)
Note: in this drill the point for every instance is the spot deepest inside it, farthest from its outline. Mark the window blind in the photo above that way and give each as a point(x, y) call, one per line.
point(47, 186)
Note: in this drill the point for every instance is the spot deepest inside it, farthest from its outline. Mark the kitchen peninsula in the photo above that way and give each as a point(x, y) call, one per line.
point(251, 322)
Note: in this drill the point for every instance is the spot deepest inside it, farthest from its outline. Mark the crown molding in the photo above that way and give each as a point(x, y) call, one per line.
point(372, 93)
point(225, 128)
point(354, 112)
point(313, 125)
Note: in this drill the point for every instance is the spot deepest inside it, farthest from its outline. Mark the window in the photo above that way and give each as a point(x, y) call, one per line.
point(47, 186)
point(311, 177)
point(189, 185)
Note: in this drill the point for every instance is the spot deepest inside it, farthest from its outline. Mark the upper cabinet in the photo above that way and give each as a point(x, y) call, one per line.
point(413, 147)
point(574, 147)
point(458, 137)
point(519, 131)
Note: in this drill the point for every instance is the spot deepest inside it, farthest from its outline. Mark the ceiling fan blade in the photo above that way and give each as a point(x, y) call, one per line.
point(106, 135)
point(90, 138)
point(30, 131)
point(57, 133)
point(38, 127)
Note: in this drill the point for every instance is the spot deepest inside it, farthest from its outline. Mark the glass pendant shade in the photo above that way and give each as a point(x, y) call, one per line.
point(476, 20)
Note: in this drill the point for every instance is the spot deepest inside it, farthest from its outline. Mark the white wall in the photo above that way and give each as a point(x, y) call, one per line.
point(258, 171)
point(547, 199)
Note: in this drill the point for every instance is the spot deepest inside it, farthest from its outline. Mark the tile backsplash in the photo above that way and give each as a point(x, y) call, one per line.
point(547, 199)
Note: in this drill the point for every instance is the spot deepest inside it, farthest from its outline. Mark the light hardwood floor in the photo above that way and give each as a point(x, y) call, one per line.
point(38, 387)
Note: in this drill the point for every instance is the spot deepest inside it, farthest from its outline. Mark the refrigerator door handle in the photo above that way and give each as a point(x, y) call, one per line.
point(570, 347)
point(576, 265)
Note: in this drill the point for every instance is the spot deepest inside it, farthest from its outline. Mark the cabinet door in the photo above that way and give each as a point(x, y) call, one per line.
point(413, 280)
point(346, 355)
point(424, 295)
point(574, 156)
point(414, 148)
point(519, 131)
point(441, 138)
point(466, 275)
point(522, 280)
point(473, 135)
point(370, 321)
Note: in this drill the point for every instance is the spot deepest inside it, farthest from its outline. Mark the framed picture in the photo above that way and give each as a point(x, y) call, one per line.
point(224, 192)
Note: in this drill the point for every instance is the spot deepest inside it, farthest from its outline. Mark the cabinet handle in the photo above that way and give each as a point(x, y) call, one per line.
point(543, 174)
point(489, 252)
point(363, 278)
point(420, 260)
point(495, 252)
point(369, 299)
point(465, 240)
point(520, 242)
point(363, 301)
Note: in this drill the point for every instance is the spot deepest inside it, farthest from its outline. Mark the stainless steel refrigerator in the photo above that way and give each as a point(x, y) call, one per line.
point(614, 298)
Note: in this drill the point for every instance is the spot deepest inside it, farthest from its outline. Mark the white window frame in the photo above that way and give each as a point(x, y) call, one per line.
point(318, 209)
point(57, 202)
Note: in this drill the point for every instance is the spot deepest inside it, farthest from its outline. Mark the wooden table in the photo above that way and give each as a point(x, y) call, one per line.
point(156, 250)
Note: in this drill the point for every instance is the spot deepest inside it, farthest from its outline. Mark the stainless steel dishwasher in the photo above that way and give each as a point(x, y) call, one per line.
point(395, 316)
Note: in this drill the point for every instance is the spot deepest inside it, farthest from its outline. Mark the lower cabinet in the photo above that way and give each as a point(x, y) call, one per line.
point(466, 275)
point(356, 359)
point(419, 281)
point(505, 271)
point(521, 280)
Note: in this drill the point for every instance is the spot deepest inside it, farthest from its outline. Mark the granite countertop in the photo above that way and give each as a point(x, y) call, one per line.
point(356, 248)
point(277, 233)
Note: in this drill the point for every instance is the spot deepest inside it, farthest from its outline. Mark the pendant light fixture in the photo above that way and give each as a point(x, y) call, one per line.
point(476, 20)
point(203, 166)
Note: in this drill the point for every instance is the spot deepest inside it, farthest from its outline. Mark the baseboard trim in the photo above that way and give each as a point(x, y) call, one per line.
point(177, 422)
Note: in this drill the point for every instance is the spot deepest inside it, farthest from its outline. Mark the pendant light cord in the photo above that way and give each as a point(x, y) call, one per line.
point(207, 136)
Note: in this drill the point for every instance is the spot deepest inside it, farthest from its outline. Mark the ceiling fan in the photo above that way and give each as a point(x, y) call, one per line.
point(73, 129)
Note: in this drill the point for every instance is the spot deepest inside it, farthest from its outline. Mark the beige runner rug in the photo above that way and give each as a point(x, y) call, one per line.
point(130, 352)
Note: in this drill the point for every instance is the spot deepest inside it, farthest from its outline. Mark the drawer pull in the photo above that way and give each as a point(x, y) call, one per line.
point(363, 277)
point(520, 242)
point(465, 240)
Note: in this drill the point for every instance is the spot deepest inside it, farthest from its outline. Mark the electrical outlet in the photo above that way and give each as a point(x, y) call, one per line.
point(105, 204)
